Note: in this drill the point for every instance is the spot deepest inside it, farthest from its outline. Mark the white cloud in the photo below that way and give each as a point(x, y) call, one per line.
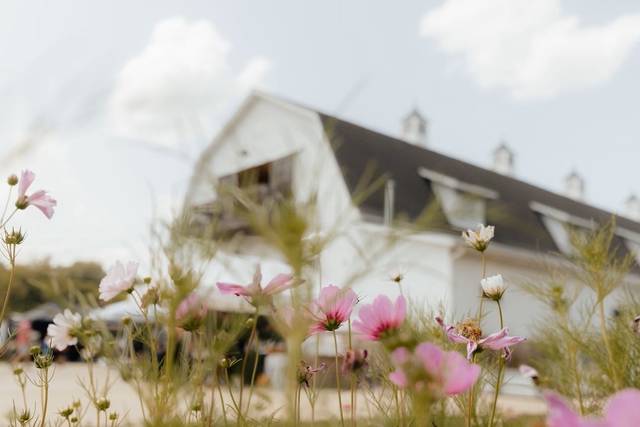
point(173, 90)
point(529, 47)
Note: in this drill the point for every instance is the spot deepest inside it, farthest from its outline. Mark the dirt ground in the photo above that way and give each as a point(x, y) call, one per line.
point(66, 388)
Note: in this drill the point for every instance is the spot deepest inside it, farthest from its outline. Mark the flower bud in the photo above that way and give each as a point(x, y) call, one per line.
point(12, 179)
point(224, 363)
point(102, 404)
point(43, 360)
point(18, 371)
point(126, 320)
point(66, 412)
point(147, 280)
point(113, 416)
point(14, 237)
point(25, 416)
point(493, 287)
point(22, 203)
point(34, 350)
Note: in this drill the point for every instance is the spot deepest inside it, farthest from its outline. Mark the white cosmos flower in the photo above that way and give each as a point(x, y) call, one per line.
point(479, 239)
point(118, 279)
point(62, 333)
point(493, 287)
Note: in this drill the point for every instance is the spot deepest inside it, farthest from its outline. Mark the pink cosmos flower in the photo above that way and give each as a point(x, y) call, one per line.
point(40, 199)
point(469, 333)
point(332, 308)
point(620, 411)
point(254, 293)
point(118, 279)
point(431, 370)
point(191, 312)
point(380, 318)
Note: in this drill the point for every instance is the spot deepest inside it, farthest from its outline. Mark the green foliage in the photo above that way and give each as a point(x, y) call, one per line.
point(581, 348)
point(41, 282)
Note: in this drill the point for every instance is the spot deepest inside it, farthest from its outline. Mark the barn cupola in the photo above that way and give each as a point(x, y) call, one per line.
point(632, 207)
point(574, 186)
point(503, 159)
point(414, 128)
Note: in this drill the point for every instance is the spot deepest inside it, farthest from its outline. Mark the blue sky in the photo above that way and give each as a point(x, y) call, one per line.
point(117, 98)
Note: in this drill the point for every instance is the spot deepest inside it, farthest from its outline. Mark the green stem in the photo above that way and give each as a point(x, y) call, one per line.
point(607, 344)
point(12, 275)
point(246, 356)
point(338, 386)
point(45, 396)
point(500, 373)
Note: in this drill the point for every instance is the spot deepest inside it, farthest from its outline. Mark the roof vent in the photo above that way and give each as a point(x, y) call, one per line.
point(632, 207)
point(503, 159)
point(574, 186)
point(414, 128)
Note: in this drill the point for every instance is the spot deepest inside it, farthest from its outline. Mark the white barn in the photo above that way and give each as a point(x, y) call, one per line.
point(311, 154)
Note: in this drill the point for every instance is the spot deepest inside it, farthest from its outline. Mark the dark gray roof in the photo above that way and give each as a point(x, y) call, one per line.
point(359, 150)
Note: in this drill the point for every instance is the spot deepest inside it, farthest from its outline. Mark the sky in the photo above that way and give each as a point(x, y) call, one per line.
point(110, 103)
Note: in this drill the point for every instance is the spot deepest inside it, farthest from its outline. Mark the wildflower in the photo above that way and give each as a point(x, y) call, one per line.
point(118, 279)
point(332, 308)
point(66, 412)
point(150, 297)
point(64, 330)
point(380, 319)
point(12, 179)
point(191, 312)
point(529, 372)
point(13, 238)
point(620, 411)
point(493, 287)
point(434, 371)
point(40, 199)
point(102, 403)
point(355, 360)
point(254, 293)
point(43, 360)
point(25, 416)
point(468, 332)
point(479, 239)
point(307, 372)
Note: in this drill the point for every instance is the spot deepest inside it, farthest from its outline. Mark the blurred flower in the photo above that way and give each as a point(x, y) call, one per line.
point(434, 371)
point(479, 239)
point(355, 360)
point(40, 199)
point(529, 372)
point(620, 411)
point(14, 237)
point(118, 279)
point(102, 403)
point(66, 412)
point(493, 287)
point(332, 308)
point(254, 293)
point(469, 333)
point(191, 312)
point(63, 332)
point(381, 318)
point(307, 372)
point(150, 297)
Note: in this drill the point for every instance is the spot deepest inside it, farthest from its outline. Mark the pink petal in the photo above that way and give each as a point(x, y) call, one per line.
point(623, 409)
point(431, 356)
point(460, 375)
point(26, 178)
point(399, 378)
point(232, 289)
point(44, 202)
point(400, 310)
point(278, 284)
point(560, 415)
